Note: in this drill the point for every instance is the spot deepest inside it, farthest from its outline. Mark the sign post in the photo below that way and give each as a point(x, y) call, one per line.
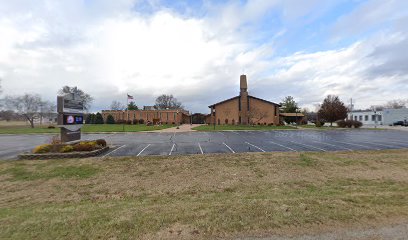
point(70, 116)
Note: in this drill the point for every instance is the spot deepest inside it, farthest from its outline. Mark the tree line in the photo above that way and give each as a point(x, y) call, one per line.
point(330, 110)
point(164, 101)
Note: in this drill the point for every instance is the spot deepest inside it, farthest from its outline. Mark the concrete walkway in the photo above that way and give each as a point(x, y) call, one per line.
point(182, 128)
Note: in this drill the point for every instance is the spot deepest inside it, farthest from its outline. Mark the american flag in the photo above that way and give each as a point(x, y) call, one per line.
point(129, 97)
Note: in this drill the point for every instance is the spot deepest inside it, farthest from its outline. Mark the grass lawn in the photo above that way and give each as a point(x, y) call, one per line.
point(201, 197)
point(318, 128)
point(86, 128)
point(240, 127)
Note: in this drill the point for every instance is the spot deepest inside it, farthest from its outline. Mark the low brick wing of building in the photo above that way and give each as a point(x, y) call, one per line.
point(167, 116)
point(244, 109)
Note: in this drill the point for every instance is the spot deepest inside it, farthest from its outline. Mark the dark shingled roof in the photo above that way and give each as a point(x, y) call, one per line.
point(260, 99)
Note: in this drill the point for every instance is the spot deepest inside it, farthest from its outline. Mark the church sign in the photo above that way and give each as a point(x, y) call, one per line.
point(70, 116)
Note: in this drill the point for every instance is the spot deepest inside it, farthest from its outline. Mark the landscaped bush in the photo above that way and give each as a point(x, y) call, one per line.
point(341, 123)
point(348, 124)
point(44, 148)
point(129, 122)
point(85, 146)
point(141, 121)
point(357, 124)
point(55, 140)
point(135, 121)
point(90, 118)
point(67, 148)
point(120, 121)
point(98, 118)
point(51, 127)
point(319, 123)
point(110, 119)
point(101, 142)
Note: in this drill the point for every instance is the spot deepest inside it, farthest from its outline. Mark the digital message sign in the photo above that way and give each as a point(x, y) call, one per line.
point(70, 109)
point(73, 119)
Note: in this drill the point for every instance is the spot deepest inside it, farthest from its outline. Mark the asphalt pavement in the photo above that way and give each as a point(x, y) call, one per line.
point(142, 144)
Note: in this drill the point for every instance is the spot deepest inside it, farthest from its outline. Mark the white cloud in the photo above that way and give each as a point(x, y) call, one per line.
point(368, 16)
point(108, 50)
point(345, 72)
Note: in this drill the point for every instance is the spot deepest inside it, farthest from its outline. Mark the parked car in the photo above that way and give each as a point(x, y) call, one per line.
point(400, 123)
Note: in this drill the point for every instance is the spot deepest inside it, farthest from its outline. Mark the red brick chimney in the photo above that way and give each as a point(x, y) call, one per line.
point(244, 99)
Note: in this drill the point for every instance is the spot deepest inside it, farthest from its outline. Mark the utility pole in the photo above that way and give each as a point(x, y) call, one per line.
point(351, 108)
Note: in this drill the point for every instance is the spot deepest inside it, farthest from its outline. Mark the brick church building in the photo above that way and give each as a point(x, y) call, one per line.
point(244, 109)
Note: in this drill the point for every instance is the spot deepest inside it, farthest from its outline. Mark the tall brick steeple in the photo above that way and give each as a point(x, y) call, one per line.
point(243, 99)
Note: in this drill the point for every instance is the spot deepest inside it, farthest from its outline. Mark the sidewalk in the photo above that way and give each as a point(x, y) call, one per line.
point(182, 128)
point(401, 128)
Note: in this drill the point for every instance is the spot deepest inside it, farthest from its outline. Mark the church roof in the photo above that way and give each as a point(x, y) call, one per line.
point(230, 99)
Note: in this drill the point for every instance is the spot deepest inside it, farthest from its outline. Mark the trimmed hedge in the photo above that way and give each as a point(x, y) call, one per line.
point(110, 119)
point(66, 148)
point(349, 123)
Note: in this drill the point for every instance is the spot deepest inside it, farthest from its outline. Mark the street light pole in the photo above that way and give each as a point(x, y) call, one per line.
point(296, 117)
point(375, 119)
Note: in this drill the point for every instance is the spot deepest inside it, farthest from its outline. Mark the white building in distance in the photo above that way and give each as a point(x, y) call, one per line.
point(386, 116)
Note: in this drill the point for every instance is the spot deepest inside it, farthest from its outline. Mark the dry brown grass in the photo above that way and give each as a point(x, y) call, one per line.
point(201, 197)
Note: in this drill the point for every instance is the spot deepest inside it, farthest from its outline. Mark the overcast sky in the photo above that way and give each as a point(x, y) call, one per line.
point(196, 50)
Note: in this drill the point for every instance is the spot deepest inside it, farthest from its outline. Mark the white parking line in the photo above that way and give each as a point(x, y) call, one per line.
point(321, 149)
point(398, 143)
point(235, 132)
point(172, 148)
point(142, 150)
point(283, 146)
point(356, 145)
point(328, 144)
point(378, 144)
point(255, 146)
point(229, 147)
point(200, 148)
point(113, 151)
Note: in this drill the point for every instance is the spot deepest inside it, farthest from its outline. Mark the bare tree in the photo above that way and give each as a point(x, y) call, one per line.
point(85, 97)
point(167, 102)
point(8, 115)
point(376, 107)
point(256, 115)
point(116, 105)
point(27, 105)
point(46, 109)
point(396, 104)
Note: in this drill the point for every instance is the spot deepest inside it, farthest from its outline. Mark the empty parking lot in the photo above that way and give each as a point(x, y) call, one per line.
point(254, 141)
point(142, 144)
